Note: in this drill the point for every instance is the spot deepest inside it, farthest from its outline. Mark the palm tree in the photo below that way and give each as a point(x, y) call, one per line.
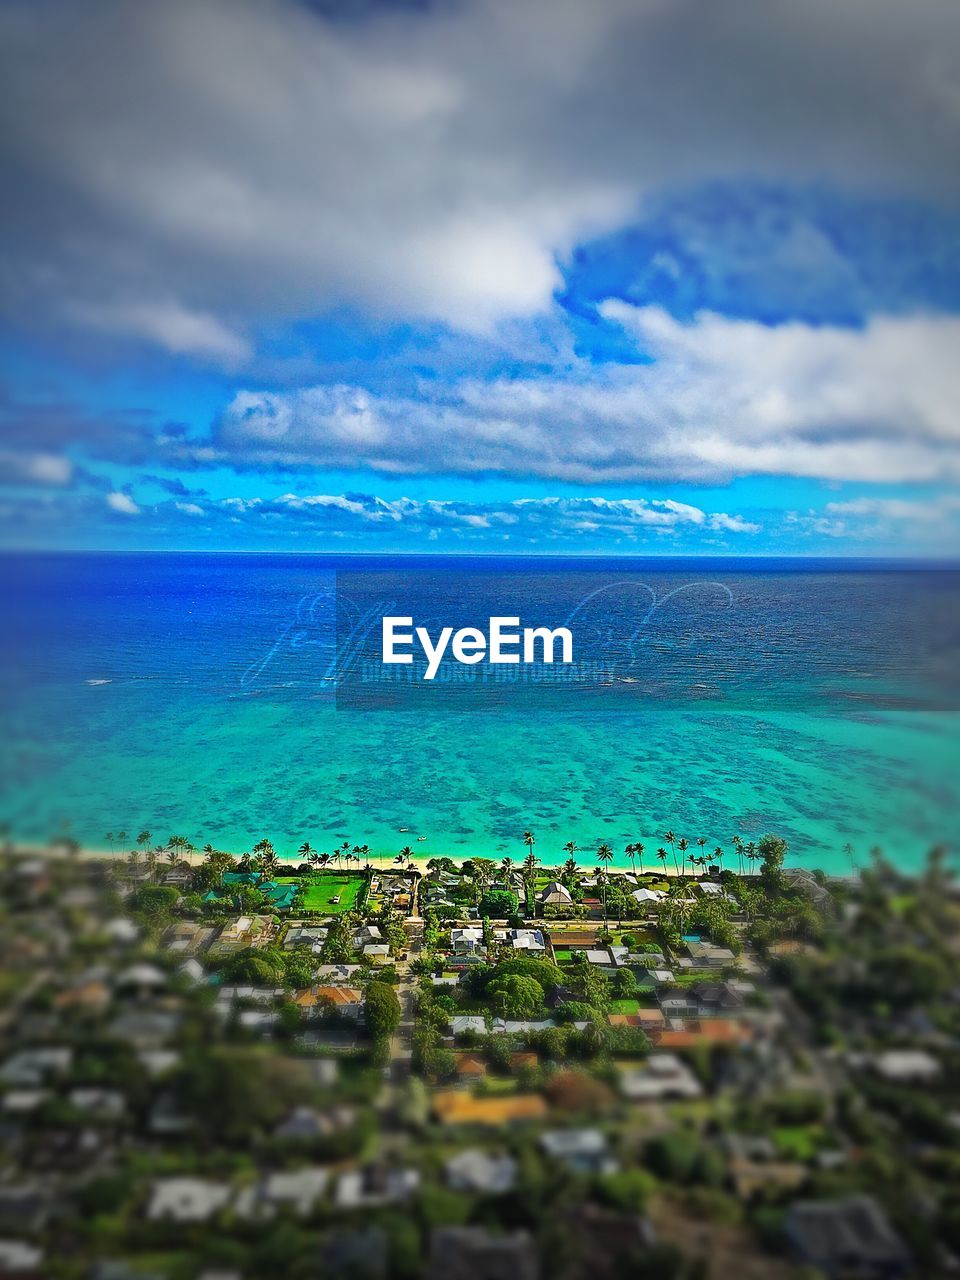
point(143, 838)
point(605, 854)
point(683, 845)
point(506, 867)
point(323, 860)
point(529, 839)
point(110, 839)
point(671, 840)
point(737, 843)
point(122, 838)
point(571, 848)
point(849, 851)
point(152, 857)
point(306, 851)
point(662, 855)
point(365, 850)
point(701, 844)
point(751, 854)
point(639, 850)
point(631, 851)
point(718, 854)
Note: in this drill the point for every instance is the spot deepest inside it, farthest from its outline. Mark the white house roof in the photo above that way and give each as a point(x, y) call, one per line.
point(481, 1171)
point(186, 1199)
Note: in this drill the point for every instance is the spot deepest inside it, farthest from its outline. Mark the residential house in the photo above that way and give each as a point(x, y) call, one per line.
point(374, 1186)
point(30, 1067)
point(579, 1150)
point(662, 1077)
point(307, 1124)
point(850, 1238)
point(482, 1172)
point(186, 1200)
point(474, 1253)
point(530, 941)
point(297, 1192)
point(555, 895)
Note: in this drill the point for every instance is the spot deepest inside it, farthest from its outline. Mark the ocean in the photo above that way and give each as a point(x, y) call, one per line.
point(194, 694)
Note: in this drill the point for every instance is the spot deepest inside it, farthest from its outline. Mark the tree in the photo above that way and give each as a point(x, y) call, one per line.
point(671, 840)
point(499, 904)
point(381, 1010)
point(772, 851)
point(155, 901)
point(605, 854)
point(144, 838)
point(515, 996)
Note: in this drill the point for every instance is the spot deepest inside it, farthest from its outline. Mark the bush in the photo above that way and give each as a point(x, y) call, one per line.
point(515, 996)
point(500, 904)
point(382, 1010)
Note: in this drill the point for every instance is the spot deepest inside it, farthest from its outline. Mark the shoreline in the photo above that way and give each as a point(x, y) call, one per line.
point(195, 857)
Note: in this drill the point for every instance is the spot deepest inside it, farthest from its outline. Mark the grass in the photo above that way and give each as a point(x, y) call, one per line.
point(624, 1006)
point(320, 890)
point(563, 955)
point(798, 1142)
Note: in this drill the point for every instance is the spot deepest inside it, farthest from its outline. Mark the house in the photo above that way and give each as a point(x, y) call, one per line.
point(103, 1104)
point(346, 1001)
point(367, 933)
point(678, 1004)
point(906, 1066)
point(715, 998)
point(305, 1124)
point(142, 980)
point(850, 1238)
point(303, 935)
point(24, 1207)
point(19, 1258)
point(664, 1076)
point(555, 895)
point(186, 1199)
point(245, 931)
point(642, 897)
point(159, 1062)
point(378, 952)
point(507, 1026)
point(468, 1022)
point(530, 941)
point(711, 1031)
point(474, 1253)
point(121, 930)
point(187, 938)
point(465, 941)
point(579, 1150)
point(375, 1186)
point(192, 971)
point(481, 1172)
point(297, 1192)
point(35, 1066)
point(455, 1107)
point(469, 1067)
point(363, 1251)
point(707, 956)
point(602, 959)
point(648, 1020)
point(337, 974)
point(90, 994)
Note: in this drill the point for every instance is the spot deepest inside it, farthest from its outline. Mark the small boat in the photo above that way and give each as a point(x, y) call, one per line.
point(404, 829)
point(421, 837)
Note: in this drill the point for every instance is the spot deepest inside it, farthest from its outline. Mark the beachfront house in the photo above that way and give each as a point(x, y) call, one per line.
point(582, 1151)
point(555, 895)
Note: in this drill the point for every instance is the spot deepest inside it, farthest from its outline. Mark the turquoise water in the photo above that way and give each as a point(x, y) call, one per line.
point(172, 741)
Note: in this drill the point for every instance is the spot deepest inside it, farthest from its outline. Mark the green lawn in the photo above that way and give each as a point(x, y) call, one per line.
point(799, 1142)
point(320, 890)
point(624, 1006)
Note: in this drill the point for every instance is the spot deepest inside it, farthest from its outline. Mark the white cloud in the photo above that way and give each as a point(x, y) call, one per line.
point(189, 508)
point(17, 467)
point(122, 503)
point(245, 160)
point(719, 397)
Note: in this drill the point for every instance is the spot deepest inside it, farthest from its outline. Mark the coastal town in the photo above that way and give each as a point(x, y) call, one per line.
point(720, 1067)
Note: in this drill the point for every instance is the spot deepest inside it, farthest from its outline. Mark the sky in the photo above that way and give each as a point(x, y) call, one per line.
point(644, 277)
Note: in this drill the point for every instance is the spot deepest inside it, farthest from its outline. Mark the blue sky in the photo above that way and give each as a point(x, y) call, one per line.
point(475, 276)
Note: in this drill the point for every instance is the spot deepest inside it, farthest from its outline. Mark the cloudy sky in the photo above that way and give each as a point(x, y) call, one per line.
point(633, 276)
